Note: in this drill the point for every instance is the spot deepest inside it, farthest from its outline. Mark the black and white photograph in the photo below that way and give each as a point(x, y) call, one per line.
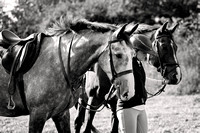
point(99, 66)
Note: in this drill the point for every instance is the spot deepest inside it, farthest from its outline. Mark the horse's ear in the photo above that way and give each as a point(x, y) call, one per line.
point(164, 26)
point(120, 32)
point(174, 28)
point(134, 27)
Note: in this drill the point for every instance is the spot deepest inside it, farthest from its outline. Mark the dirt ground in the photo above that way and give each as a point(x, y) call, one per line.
point(166, 114)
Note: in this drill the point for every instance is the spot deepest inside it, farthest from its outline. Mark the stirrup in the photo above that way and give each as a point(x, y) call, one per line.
point(11, 103)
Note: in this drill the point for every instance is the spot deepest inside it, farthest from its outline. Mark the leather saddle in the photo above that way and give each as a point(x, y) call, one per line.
point(19, 57)
point(9, 38)
point(19, 51)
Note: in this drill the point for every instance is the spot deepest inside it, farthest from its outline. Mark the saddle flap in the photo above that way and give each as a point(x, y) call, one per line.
point(9, 56)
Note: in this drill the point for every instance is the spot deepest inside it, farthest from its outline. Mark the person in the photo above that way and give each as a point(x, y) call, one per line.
point(131, 111)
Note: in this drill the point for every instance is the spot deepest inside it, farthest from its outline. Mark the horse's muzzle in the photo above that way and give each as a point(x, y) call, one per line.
point(174, 77)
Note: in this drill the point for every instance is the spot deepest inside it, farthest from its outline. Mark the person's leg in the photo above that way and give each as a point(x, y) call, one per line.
point(142, 124)
point(128, 120)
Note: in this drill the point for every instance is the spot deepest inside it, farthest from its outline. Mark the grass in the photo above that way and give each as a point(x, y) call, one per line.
point(166, 114)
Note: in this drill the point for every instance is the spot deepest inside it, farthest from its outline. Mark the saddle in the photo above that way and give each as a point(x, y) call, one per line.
point(20, 56)
point(9, 38)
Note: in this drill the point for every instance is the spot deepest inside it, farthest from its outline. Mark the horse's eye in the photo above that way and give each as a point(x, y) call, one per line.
point(163, 46)
point(119, 55)
point(175, 48)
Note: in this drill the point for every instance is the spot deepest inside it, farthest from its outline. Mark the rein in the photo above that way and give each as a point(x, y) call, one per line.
point(162, 66)
point(114, 76)
point(162, 89)
point(111, 91)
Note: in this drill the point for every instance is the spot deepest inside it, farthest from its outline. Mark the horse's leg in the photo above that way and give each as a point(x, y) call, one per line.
point(93, 101)
point(62, 122)
point(80, 114)
point(114, 119)
point(37, 121)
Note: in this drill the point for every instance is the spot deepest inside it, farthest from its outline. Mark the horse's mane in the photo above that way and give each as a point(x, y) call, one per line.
point(66, 25)
point(145, 28)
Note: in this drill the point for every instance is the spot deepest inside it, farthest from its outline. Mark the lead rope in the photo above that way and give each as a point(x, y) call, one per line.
point(111, 91)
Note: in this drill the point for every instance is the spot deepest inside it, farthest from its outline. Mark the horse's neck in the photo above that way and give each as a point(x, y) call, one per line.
point(84, 53)
point(150, 35)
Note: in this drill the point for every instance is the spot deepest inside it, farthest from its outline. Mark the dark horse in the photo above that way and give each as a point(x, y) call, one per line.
point(165, 62)
point(52, 85)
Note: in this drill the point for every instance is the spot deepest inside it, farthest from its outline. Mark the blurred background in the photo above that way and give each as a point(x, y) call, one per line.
point(25, 17)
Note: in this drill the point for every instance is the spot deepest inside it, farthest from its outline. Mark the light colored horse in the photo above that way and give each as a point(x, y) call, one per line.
point(51, 86)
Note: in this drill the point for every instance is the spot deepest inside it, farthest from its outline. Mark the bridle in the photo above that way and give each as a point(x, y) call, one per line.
point(113, 71)
point(163, 66)
point(115, 75)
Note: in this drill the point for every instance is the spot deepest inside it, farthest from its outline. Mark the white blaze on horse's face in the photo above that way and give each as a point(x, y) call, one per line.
point(125, 83)
point(119, 64)
point(122, 61)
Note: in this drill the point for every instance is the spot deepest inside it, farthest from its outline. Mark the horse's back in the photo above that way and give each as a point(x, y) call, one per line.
point(39, 84)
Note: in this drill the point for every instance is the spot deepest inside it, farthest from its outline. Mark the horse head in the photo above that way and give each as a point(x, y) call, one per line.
point(165, 47)
point(120, 63)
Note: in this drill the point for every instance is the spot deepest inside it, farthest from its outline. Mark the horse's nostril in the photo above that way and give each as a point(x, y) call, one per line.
point(125, 94)
point(158, 69)
point(174, 76)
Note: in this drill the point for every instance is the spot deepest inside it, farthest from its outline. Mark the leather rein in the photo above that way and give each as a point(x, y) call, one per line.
point(113, 71)
point(162, 67)
point(67, 70)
